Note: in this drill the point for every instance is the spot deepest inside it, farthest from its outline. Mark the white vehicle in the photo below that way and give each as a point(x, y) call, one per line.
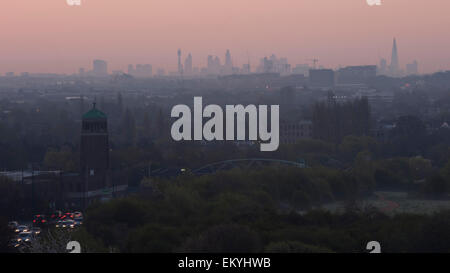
point(25, 237)
point(36, 230)
point(78, 221)
point(59, 224)
point(14, 243)
point(77, 214)
point(22, 228)
point(69, 223)
point(65, 224)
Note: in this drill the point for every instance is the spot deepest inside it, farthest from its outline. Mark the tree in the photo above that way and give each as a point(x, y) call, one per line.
point(128, 128)
point(364, 171)
point(352, 145)
point(147, 125)
point(332, 121)
point(12, 199)
point(5, 235)
point(160, 125)
point(445, 172)
point(435, 235)
point(410, 127)
point(294, 247)
point(436, 186)
point(229, 238)
point(119, 104)
point(60, 160)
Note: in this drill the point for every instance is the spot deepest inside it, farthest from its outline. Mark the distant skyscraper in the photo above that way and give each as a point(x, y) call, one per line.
point(188, 65)
point(267, 65)
point(100, 68)
point(301, 69)
point(210, 63)
point(246, 68)
point(141, 70)
point(130, 69)
point(180, 66)
point(213, 65)
point(382, 69)
point(274, 65)
point(138, 69)
point(217, 63)
point(394, 68)
point(148, 70)
point(228, 63)
point(412, 69)
point(161, 72)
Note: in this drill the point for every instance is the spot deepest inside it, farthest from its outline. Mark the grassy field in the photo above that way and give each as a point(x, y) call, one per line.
point(393, 203)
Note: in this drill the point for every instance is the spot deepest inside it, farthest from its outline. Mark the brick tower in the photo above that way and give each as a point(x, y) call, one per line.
point(94, 154)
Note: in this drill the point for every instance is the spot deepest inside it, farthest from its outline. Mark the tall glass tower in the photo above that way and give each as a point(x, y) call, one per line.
point(394, 68)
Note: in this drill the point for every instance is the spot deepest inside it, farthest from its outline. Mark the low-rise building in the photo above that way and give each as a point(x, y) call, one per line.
point(291, 132)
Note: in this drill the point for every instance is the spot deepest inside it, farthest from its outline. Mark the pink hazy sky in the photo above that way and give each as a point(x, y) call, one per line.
point(51, 36)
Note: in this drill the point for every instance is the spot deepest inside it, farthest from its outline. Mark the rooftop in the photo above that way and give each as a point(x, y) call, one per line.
point(94, 113)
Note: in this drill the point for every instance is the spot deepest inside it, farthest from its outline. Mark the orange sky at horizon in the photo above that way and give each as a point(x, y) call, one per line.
point(49, 36)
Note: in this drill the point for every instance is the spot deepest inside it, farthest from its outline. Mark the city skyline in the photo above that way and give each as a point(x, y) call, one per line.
point(214, 66)
point(338, 34)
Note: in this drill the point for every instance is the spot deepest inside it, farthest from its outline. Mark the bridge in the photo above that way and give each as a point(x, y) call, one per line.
point(245, 163)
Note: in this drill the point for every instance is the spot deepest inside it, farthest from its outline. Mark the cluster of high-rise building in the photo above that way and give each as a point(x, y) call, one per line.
point(394, 69)
point(140, 70)
point(99, 69)
point(272, 64)
point(267, 65)
point(213, 66)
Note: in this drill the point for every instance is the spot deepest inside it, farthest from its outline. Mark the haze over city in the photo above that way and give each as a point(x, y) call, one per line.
point(224, 134)
point(49, 36)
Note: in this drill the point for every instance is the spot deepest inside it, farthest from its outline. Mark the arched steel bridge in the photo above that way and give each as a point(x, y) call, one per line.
point(244, 163)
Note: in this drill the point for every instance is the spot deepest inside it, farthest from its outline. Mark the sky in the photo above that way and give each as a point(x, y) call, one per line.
point(49, 36)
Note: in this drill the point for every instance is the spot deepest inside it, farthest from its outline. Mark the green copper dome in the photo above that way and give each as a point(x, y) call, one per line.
point(94, 113)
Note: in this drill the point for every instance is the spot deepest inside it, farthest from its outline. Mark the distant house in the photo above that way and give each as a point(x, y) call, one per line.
point(291, 132)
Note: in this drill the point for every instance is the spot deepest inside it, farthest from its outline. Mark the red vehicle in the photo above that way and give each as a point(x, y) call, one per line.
point(39, 220)
point(67, 215)
point(55, 216)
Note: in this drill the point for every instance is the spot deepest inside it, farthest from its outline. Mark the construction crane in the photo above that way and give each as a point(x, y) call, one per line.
point(314, 61)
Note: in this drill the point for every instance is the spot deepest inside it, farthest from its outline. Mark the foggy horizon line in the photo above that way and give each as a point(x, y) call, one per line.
point(169, 72)
point(171, 67)
point(168, 68)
